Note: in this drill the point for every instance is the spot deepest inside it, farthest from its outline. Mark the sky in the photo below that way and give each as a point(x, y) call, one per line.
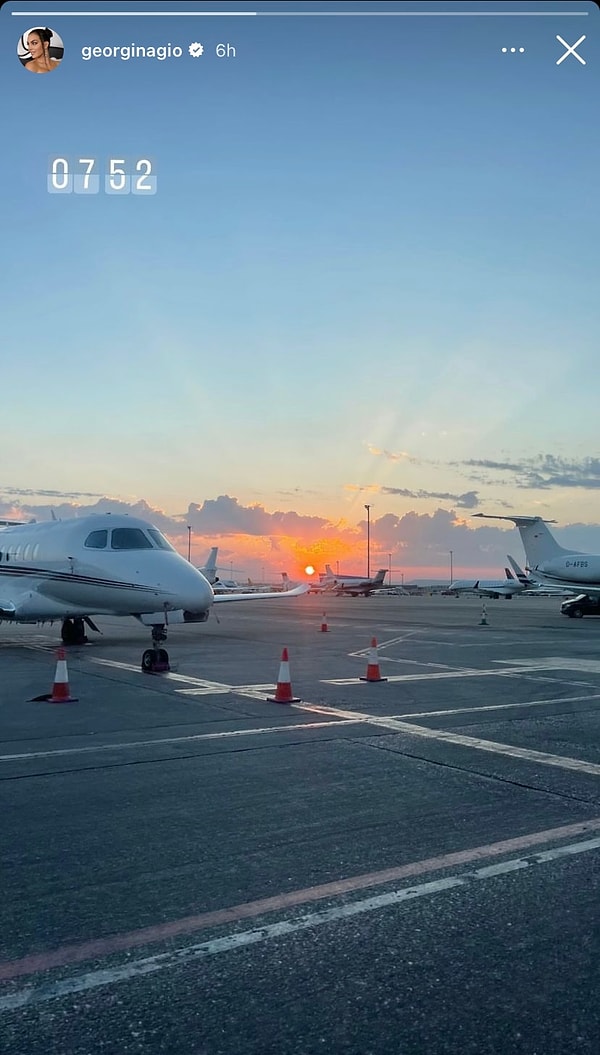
point(368, 276)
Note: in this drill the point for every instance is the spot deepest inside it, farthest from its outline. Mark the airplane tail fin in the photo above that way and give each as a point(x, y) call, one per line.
point(328, 571)
point(538, 541)
point(380, 575)
point(210, 568)
point(521, 576)
point(508, 573)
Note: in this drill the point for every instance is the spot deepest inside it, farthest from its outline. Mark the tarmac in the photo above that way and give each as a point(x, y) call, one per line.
point(382, 868)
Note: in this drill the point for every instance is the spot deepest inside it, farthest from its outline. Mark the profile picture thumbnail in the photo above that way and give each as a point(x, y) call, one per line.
point(40, 50)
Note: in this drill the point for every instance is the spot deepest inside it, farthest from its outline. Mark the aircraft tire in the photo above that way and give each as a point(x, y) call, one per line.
point(148, 661)
point(155, 661)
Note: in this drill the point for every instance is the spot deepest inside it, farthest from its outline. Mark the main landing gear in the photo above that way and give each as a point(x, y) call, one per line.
point(73, 632)
point(155, 660)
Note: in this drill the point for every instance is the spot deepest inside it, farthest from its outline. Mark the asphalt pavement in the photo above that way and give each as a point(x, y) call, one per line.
point(408, 865)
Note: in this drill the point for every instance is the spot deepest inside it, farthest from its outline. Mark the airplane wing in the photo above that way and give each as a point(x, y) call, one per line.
point(280, 595)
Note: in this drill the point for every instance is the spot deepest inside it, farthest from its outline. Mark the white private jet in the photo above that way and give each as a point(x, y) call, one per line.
point(105, 564)
point(496, 588)
point(551, 564)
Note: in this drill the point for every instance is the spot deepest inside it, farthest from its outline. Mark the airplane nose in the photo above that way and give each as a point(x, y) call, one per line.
point(195, 591)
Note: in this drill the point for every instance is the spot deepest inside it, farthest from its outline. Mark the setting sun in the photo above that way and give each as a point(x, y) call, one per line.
point(309, 570)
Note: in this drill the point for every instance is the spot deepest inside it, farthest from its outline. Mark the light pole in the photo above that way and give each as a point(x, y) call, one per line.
point(189, 543)
point(337, 568)
point(368, 509)
point(451, 574)
point(390, 571)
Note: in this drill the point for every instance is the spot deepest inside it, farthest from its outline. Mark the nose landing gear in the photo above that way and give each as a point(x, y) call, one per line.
point(155, 660)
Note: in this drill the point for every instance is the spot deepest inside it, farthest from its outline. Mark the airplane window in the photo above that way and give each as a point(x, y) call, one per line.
point(160, 539)
point(129, 538)
point(97, 540)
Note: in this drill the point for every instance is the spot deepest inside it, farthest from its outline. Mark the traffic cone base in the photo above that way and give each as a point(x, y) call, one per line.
point(283, 691)
point(373, 671)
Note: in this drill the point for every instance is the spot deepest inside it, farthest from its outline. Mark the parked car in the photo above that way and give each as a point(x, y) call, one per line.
point(577, 607)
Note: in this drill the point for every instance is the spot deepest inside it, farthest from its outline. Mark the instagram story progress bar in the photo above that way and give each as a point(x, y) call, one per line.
point(332, 13)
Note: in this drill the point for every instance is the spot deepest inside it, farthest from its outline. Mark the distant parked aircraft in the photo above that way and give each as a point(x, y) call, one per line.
point(534, 587)
point(354, 585)
point(209, 570)
point(506, 588)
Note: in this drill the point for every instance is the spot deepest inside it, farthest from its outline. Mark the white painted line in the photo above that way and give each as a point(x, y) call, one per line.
point(201, 687)
point(31, 995)
point(387, 644)
point(201, 683)
point(214, 690)
point(525, 753)
point(61, 752)
point(467, 672)
point(557, 663)
point(401, 726)
point(498, 707)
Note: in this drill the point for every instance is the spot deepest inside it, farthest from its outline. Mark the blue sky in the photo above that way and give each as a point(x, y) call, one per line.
point(369, 273)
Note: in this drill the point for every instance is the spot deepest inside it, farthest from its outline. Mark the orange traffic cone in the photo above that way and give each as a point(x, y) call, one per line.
point(283, 692)
point(324, 627)
point(373, 672)
point(61, 692)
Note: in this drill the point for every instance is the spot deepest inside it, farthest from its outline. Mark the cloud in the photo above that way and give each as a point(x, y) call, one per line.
point(28, 492)
point(468, 500)
point(392, 456)
point(225, 515)
point(259, 542)
point(542, 472)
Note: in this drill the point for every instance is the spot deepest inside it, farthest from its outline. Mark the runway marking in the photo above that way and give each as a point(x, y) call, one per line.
point(558, 663)
point(465, 672)
point(32, 994)
point(201, 683)
point(499, 706)
point(401, 726)
point(61, 752)
point(337, 722)
point(387, 644)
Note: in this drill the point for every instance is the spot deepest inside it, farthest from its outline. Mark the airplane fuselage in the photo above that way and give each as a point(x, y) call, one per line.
point(574, 568)
point(487, 587)
point(115, 565)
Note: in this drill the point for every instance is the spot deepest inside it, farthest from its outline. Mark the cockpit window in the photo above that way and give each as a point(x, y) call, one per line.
point(96, 540)
point(129, 538)
point(159, 539)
